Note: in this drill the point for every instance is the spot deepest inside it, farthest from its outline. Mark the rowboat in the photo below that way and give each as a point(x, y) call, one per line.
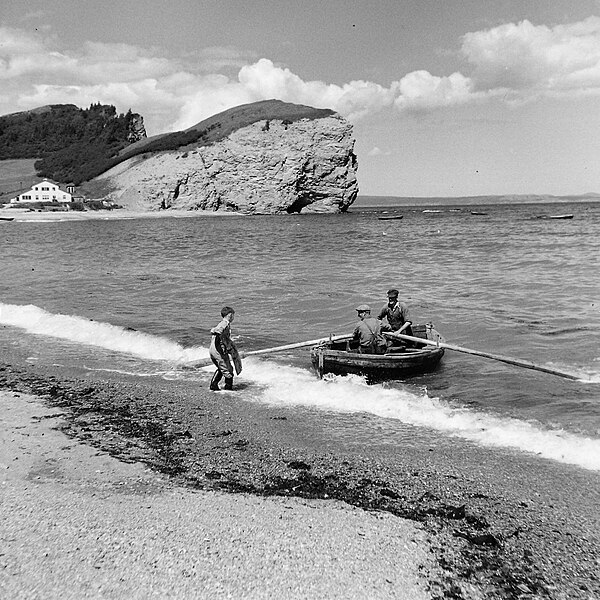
point(391, 217)
point(341, 358)
point(555, 216)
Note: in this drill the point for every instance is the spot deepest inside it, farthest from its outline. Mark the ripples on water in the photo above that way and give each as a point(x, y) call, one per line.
point(505, 283)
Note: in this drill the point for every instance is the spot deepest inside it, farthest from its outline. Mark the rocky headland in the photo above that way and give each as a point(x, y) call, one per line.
point(267, 157)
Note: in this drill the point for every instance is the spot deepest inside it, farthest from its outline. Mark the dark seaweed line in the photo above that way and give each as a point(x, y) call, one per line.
point(482, 561)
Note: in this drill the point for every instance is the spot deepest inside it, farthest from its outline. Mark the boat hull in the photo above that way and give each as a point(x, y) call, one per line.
point(333, 358)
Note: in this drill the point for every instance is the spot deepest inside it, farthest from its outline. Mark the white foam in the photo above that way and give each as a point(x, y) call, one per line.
point(76, 329)
point(292, 386)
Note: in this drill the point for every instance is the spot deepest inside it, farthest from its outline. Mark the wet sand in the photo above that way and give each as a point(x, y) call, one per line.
point(488, 524)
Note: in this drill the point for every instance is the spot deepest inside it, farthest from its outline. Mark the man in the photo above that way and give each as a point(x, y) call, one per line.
point(368, 332)
point(221, 346)
point(395, 313)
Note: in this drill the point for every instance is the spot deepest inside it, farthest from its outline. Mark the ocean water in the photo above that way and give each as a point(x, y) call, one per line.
point(138, 297)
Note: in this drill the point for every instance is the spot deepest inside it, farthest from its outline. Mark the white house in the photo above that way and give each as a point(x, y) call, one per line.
point(46, 191)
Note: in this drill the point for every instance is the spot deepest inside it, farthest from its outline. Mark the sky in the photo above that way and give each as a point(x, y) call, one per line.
point(446, 97)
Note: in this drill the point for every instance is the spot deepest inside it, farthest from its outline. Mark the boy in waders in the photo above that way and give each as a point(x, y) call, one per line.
point(221, 346)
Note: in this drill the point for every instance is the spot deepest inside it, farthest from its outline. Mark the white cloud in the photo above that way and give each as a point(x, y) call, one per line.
point(264, 80)
point(376, 151)
point(527, 58)
point(514, 62)
point(421, 89)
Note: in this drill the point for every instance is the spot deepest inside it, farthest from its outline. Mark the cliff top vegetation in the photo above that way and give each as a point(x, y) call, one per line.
point(69, 142)
point(76, 145)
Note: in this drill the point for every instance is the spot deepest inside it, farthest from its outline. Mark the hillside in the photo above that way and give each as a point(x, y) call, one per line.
point(70, 143)
point(219, 126)
point(267, 157)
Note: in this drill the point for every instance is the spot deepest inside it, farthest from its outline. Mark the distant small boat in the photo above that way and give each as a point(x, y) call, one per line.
point(391, 217)
point(476, 212)
point(555, 216)
point(7, 218)
point(431, 211)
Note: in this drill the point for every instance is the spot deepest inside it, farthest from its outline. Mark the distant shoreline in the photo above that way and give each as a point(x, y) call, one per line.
point(362, 203)
point(387, 201)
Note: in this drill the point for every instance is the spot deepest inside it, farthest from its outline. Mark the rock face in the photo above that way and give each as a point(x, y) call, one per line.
point(268, 167)
point(137, 131)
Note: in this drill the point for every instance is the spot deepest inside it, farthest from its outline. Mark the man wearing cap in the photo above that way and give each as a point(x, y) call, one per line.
point(395, 312)
point(368, 332)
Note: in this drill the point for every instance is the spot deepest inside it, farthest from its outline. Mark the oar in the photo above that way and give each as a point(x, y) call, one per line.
point(336, 338)
point(505, 359)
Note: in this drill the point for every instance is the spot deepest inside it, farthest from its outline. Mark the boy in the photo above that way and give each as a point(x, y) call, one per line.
point(221, 346)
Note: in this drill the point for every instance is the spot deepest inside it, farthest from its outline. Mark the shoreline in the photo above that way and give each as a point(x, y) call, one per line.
point(23, 215)
point(494, 533)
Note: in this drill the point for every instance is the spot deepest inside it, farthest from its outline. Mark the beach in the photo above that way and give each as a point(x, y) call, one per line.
point(26, 215)
point(186, 490)
point(78, 523)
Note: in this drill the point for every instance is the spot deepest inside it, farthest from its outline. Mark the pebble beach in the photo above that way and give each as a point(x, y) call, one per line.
point(123, 490)
point(78, 523)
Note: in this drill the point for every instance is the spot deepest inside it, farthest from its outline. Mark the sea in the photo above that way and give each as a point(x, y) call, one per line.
point(136, 298)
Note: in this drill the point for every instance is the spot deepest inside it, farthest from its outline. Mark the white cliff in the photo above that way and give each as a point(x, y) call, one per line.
point(269, 166)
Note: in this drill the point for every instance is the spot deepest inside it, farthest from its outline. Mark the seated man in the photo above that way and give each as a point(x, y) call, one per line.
point(368, 332)
point(396, 315)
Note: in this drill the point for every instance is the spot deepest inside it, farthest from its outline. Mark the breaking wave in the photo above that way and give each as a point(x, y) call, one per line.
point(289, 386)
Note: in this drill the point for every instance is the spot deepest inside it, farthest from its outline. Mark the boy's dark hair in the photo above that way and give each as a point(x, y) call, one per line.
point(226, 310)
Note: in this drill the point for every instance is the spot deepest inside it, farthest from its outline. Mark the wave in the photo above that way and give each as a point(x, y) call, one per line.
point(290, 386)
point(278, 384)
point(80, 330)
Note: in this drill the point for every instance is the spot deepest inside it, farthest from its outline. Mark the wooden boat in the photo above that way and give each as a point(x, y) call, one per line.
point(341, 358)
point(555, 217)
point(7, 218)
point(390, 217)
point(478, 212)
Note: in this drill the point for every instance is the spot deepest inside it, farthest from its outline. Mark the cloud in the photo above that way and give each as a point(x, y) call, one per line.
point(264, 80)
point(526, 58)
point(511, 62)
point(421, 89)
point(376, 151)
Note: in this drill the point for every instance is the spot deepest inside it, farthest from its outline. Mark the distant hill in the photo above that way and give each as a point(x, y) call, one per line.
point(365, 201)
point(68, 142)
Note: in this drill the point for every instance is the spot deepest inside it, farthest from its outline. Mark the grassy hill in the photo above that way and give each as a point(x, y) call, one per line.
point(15, 176)
point(68, 142)
point(219, 126)
point(76, 146)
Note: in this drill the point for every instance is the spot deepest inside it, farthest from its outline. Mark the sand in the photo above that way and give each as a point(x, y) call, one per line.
point(25, 215)
point(78, 523)
point(482, 523)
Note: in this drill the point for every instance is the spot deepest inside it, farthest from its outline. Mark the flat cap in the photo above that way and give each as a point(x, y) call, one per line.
point(392, 293)
point(363, 308)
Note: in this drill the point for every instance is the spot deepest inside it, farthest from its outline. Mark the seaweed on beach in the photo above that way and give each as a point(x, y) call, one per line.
point(485, 546)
